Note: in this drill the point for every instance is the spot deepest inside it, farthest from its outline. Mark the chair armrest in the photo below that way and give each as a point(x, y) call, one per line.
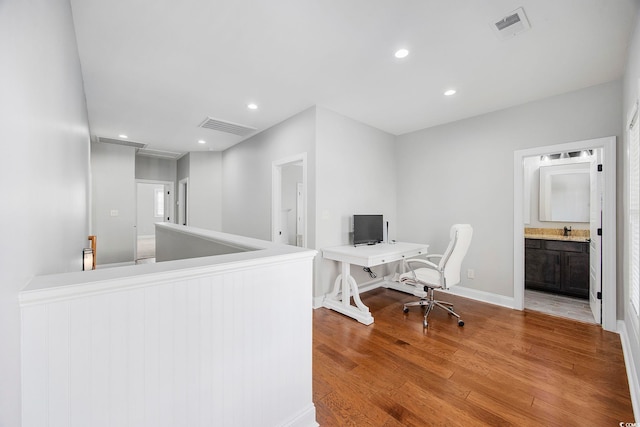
point(433, 256)
point(421, 261)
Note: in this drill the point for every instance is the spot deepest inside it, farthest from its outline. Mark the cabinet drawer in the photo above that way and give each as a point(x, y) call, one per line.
point(532, 243)
point(558, 245)
point(384, 259)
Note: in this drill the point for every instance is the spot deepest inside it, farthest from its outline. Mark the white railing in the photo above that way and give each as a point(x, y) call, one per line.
point(212, 341)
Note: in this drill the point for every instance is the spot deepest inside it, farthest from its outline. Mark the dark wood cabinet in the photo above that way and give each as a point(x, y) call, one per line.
point(557, 266)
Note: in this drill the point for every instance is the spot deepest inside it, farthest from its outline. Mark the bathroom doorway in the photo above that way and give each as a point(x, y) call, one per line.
point(599, 247)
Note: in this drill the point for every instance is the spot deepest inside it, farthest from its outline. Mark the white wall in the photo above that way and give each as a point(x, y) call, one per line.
point(156, 169)
point(462, 172)
point(182, 167)
point(351, 169)
point(113, 202)
point(631, 92)
point(356, 174)
point(45, 164)
point(204, 209)
point(246, 197)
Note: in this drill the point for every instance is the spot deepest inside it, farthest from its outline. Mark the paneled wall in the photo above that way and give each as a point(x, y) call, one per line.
point(215, 346)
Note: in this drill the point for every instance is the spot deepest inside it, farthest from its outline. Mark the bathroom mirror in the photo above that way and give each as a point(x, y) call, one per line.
point(565, 192)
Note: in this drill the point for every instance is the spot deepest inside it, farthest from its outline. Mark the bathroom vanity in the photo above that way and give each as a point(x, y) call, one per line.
point(557, 264)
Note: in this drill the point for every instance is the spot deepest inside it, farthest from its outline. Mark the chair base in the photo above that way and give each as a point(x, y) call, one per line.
point(430, 302)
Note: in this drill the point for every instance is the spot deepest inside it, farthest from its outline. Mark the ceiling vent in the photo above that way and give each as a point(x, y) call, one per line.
point(228, 127)
point(121, 142)
point(512, 24)
point(159, 153)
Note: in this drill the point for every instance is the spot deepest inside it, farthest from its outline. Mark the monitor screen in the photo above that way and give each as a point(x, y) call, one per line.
point(367, 229)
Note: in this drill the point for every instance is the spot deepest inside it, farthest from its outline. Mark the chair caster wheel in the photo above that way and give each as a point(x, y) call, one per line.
point(460, 323)
point(405, 310)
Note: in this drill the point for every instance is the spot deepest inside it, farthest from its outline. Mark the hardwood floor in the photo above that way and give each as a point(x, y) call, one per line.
point(504, 367)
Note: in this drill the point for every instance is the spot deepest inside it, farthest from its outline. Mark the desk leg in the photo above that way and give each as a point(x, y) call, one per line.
point(344, 284)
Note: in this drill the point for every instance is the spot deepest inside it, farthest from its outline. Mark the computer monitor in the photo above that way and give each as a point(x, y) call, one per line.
point(367, 229)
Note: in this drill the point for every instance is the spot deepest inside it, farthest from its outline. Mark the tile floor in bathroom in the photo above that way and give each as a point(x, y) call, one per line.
point(558, 305)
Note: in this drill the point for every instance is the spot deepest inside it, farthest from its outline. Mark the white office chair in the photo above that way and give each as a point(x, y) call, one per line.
point(443, 275)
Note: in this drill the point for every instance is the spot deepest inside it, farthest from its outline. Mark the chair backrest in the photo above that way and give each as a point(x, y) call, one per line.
point(451, 261)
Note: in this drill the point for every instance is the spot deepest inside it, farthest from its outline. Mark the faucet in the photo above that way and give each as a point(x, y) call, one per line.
point(567, 231)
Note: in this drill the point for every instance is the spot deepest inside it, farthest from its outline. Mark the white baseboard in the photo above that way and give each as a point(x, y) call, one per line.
point(474, 294)
point(632, 375)
point(317, 301)
point(306, 418)
point(483, 296)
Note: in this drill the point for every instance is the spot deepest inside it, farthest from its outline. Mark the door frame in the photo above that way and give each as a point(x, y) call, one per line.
point(608, 146)
point(183, 202)
point(595, 245)
point(276, 193)
point(171, 202)
point(171, 185)
point(300, 220)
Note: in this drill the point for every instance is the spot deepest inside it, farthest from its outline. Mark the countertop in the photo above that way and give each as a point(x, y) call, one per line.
point(557, 234)
point(556, 237)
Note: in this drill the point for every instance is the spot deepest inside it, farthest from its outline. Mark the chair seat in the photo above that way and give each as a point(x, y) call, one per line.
point(425, 276)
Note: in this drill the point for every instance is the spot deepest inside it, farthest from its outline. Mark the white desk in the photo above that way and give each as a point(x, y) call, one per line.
point(339, 299)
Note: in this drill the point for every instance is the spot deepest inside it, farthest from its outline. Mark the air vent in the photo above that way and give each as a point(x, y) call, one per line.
point(159, 153)
point(228, 127)
point(512, 24)
point(121, 142)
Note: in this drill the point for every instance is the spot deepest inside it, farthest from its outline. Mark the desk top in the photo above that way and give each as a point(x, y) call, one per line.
point(372, 255)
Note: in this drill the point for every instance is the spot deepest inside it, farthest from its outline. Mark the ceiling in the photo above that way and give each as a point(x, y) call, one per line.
point(156, 69)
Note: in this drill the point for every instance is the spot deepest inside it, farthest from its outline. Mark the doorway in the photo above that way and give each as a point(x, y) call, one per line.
point(289, 201)
point(602, 271)
point(154, 203)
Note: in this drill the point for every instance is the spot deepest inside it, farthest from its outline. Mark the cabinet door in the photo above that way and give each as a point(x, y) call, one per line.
point(542, 269)
point(575, 274)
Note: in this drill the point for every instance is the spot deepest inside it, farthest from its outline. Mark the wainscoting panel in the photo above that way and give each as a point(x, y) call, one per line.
point(228, 348)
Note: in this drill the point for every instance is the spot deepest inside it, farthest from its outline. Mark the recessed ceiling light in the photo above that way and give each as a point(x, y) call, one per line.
point(450, 92)
point(252, 106)
point(123, 136)
point(401, 53)
point(202, 141)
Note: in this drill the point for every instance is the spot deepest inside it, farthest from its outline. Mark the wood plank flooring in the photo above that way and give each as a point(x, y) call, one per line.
point(504, 367)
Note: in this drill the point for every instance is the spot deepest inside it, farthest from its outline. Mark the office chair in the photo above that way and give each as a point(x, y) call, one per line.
point(443, 275)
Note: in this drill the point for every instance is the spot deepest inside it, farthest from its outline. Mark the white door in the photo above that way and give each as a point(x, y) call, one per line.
point(284, 226)
point(595, 247)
